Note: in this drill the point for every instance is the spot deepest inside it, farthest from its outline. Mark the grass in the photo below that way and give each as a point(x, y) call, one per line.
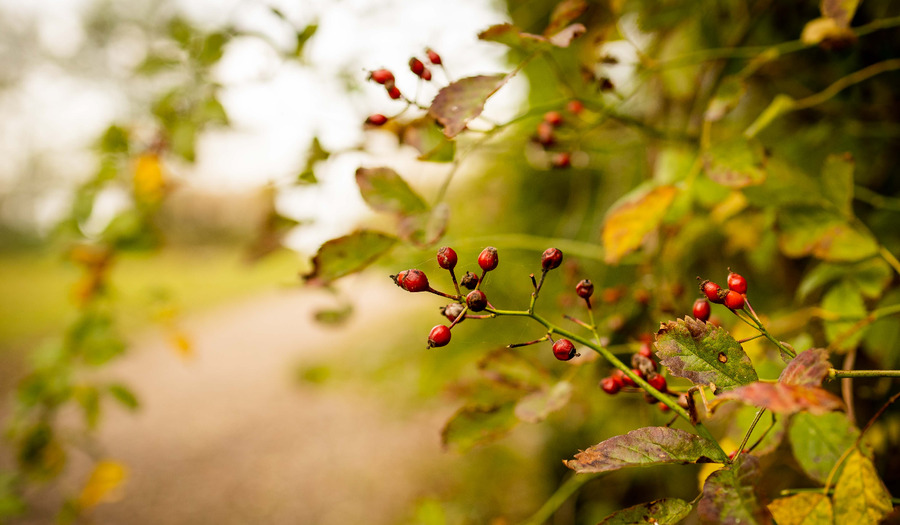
point(37, 287)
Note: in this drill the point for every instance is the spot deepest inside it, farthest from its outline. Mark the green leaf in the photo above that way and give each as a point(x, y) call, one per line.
point(535, 407)
point(426, 136)
point(115, 140)
point(211, 48)
point(823, 234)
point(89, 399)
point(458, 103)
point(729, 94)
point(124, 396)
point(729, 495)
point(94, 338)
point(837, 182)
point(155, 63)
point(809, 368)
point(632, 218)
point(303, 37)
point(667, 511)
point(703, 353)
point(806, 508)
point(348, 254)
point(818, 441)
point(211, 111)
point(645, 447)
point(384, 190)
point(736, 163)
point(883, 336)
point(782, 398)
point(785, 184)
point(183, 137)
point(478, 425)
point(334, 316)
point(780, 105)
point(845, 300)
point(860, 496)
point(870, 277)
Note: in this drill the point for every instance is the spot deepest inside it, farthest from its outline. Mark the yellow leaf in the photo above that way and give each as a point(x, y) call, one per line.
point(860, 496)
point(807, 508)
point(149, 179)
point(101, 486)
point(630, 221)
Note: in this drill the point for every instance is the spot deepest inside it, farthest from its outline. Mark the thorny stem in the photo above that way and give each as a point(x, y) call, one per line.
point(616, 362)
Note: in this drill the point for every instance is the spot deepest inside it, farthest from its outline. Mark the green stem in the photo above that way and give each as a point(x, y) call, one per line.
point(563, 493)
point(889, 257)
point(840, 374)
point(756, 419)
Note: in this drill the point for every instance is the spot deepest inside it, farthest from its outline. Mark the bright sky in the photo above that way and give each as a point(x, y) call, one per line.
point(276, 107)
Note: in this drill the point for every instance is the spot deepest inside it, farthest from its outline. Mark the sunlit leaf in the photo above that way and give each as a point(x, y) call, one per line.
point(149, 179)
point(780, 105)
point(817, 441)
point(426, 136)
point(827, 32)
point(384, 190)
point(348, 254)
point(124, 396)
point(565, 36)
point(425, 229)
point(668, 511)
point(729, 495)
point(564, 14)
point(478, 425)
point(785, 399)
point(630, 220)
point(115, 139)
point(809, 368)
point(860, 496)
point(101, 486)
point(183, 139)
point(535, 407)
point(844, 300)
point(512, 36)
point(870, 277)
point(823, 234)
point(837, 182)
point(703, 353)
point(807, 508)
point(645, 447)
point(736, 163)
point(458, 103)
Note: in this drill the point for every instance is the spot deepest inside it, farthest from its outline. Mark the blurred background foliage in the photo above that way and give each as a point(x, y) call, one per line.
point(672, 93)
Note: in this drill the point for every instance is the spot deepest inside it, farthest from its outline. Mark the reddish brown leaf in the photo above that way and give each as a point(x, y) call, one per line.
point(514, 37)
point(783, 398)
point(564, 14)
point(729, 495)
point(458, 103)
point(809, 368)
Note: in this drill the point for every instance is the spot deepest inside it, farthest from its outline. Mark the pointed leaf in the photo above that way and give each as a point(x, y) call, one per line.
point(565, 37)
point(809, 368)
point(458, 103)
point(645, 447)
point(348, 254)
point(535, 407)
point(736, 163)
point(426, 136)
point(477, 425)
point(107, 476)
point(837, 182)
point(703, 353)
point(564, 14)
point(514, 37)
point(124, 395)
point(729, 495)
point(785, 399)
point(384, 190)
point(818, 441)
point(807, 508)
point(632, 218)
point(860, 496)
point(844, 300)
point(823, 234)
point(662, 512)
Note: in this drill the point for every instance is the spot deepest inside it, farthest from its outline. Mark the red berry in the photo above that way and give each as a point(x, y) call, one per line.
point(416, 66)
point(734, 300)
point(476, 300)
point(610, 385)
point(446, 258)
point(630, 382)
point(564, 350)
point(433, 57)
point(426, 75)
point(382, 76)
point(646, 350)
point(702, 309)
point(584, 288)
point(393, 92)
point(452, 311)
point(376, 120)
point(488, 259)
point(469, 281)
point(737, 282)
point(575, 106)
point(545, 134)
point(711, 291)
point(561, 160)
point(658, 382)
point(439, 336)
point(551, 258)
point(411, 280)
point(553, 118)
point(663, 407)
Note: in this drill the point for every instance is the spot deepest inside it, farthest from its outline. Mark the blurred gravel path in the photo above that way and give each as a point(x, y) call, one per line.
point(231, 437)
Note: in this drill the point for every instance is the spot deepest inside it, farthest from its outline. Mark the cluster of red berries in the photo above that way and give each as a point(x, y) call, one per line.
point(733, 297)
point(386, 78)
point(644, 367)
point(546, 137)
